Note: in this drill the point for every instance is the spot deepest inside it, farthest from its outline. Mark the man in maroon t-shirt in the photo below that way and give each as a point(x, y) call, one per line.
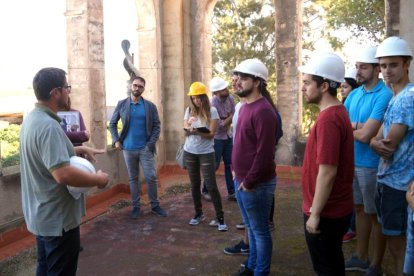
point(328, 166)
point(253, 163)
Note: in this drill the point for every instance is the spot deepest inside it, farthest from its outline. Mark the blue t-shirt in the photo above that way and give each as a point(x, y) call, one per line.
point(398, 172)
point(361, 106)
point(136, 137)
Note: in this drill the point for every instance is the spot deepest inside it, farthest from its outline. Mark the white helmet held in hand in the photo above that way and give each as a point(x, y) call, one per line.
point(252, 67)
point(84, 165)
point(217, 84)
point(394, 46)
point(326, 65)
point(367, 55)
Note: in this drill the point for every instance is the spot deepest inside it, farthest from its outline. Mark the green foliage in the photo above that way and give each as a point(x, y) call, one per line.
point(9, 143)
point(363, 18)
point(244, 29)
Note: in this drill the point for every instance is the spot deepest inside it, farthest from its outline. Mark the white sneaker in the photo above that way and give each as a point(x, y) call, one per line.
point(214, 223)
point(197, 219)
point(222, 227)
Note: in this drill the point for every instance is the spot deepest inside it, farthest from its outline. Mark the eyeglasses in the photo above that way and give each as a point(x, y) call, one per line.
point(67, 87)
point(138, 86)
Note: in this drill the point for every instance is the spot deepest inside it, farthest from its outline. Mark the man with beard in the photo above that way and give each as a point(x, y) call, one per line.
point(253, 163)
point(139, 134)
point(366, 106)
point(50, 212)
point(223, 138)
point(328, 166)
point(394, 143)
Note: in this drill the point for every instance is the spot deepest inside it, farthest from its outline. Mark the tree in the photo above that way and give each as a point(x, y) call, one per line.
point(364, 19)
point(244, 29)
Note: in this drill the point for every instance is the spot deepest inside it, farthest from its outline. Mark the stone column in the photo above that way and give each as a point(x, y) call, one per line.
point(150, 61)
point(85, 43)
point(406, 27)
point(289, 97)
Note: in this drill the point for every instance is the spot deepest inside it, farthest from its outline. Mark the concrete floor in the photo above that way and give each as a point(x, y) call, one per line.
point(116, 245)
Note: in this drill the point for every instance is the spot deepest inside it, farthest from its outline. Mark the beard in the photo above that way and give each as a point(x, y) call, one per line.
point(244, 93)
point(314, 100)
point(136, 93)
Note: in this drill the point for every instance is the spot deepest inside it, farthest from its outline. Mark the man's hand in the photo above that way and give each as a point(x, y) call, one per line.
point(382, 148)
point(243, 188)
point(103, 179)
point(312, 225)
point(410, 195)
point(89, 152)
point(118, 146)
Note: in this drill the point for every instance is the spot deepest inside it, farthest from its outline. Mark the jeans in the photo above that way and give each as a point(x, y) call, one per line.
point(224, 148)
point(145, 158)
point(205, 162)
point(325, 248)
point(58, 255)
point(409, 252)
point(255, 207)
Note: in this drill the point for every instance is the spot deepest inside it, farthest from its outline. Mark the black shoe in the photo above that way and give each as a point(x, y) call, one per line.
point(135, 213)
point(240, 248)
point(243, 272)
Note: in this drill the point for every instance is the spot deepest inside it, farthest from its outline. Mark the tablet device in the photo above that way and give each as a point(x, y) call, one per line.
point(203, 130)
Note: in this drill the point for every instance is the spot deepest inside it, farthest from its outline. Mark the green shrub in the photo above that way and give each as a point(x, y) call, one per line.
point(9, 137)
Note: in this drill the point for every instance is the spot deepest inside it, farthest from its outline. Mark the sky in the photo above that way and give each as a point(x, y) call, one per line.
point(33, 36)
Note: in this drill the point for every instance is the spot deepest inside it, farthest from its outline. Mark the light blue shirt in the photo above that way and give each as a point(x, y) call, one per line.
point(361, 106)
point(398, 172)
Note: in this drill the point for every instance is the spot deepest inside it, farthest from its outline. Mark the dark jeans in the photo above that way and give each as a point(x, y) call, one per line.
point(325, 248)
point(58, 255)
point(205, 163)
point(224, 148)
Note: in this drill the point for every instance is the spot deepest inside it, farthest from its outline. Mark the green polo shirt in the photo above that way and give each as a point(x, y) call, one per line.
point(48, 207)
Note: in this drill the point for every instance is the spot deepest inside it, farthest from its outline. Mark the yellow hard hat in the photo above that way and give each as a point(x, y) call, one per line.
point(197, 88)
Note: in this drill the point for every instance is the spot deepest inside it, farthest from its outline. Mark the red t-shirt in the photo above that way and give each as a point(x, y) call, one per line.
point(330, 142)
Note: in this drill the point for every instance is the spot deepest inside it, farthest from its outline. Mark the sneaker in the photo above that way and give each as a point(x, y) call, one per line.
point(243, 272)
point(373, 271)
point(134, 213)
point(241, 226)
point(159, 211)
point(197, 219)
point(206, 196)
point(244, 264)
point(240, 248)
point(232, 197)
point(349, 236)
point(356, 264)
point(221, 226)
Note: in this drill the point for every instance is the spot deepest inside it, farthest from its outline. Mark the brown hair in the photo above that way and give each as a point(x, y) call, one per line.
point(204, 111)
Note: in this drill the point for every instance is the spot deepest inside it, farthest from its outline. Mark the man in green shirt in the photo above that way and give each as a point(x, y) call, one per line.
point(51, 213)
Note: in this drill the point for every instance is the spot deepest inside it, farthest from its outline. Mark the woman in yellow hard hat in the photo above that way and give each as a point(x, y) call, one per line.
point(200, 123)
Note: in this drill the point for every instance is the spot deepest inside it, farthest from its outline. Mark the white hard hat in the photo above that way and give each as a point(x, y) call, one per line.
point(350, 73)
point(394, 46)
point(84, 165)
point(367, 55)
point(326, 65)
point(217, 84)
point(253, 67)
